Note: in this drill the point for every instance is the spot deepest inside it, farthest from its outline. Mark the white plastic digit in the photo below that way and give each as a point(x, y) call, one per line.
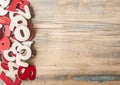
point(24, 35)
point(20, 58)
point(3, 11)
point(12, 49)
point(6, 55)
point(4, 3)
point(27, 51)
point(12, 72)
point(26, 14)
point(17, 20)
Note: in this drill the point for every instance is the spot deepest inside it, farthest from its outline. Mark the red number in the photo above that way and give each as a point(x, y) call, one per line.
point(4, 65)
point(8, 81)
point(23, 3)
point(29, 73)
point(4, 20)
point(13, 5)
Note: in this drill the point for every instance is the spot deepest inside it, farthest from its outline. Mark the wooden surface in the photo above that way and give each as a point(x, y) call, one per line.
point(77, 42)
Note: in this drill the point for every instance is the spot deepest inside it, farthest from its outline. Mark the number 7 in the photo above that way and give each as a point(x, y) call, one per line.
point(13, 5)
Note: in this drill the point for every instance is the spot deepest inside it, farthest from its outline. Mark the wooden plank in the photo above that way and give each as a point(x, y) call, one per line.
point(107, 11)
point(69, 82)
point(77, 48)
point(76, 42)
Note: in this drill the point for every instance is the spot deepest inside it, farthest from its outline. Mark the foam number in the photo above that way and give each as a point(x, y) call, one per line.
point(13, 5)
point(24, 53)
point(26, 12)
point(4, 65)
point(16, 33)
point(13, 49)
point(25, 73)
point(23, 3)
point(4, 4)
point(22, 33)
point(2, 68)
point(12, 72)
point(16, 20)
point(8, 81)
point(4, 20)
point(3, 11)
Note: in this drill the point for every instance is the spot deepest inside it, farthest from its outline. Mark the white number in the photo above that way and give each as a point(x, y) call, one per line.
point(24, 35)
point(12, 72)
point(23, 53)
point(4, 4)
point(12, 49)
point(22, 57)
point(3, 11)
point(26, 14)
point(17, 20)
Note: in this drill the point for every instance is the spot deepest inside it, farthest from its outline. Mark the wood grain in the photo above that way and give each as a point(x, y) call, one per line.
point(77, 42)
point(70, 82)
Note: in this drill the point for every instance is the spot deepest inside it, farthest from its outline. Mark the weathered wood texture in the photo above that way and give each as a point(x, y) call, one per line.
point(77, 42)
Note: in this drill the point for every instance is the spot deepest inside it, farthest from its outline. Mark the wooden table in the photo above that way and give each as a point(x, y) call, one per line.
point(77, 42)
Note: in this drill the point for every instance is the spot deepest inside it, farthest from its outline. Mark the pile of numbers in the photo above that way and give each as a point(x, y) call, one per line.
point(16, 34)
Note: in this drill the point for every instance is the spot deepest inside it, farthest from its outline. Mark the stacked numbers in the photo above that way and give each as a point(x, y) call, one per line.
point(16, 34)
